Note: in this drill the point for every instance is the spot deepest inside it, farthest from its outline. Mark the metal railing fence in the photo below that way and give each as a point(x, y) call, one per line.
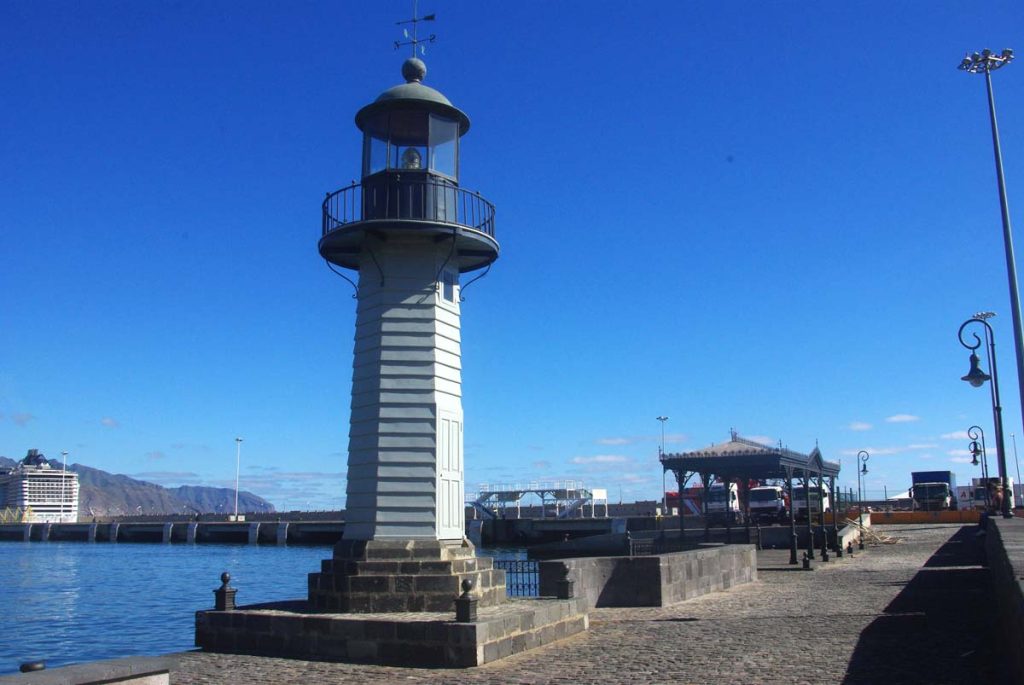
point(396, 198)
point(522, 577)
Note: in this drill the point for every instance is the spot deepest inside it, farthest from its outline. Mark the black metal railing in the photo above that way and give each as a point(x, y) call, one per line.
point(403, 198)
point(522, 577)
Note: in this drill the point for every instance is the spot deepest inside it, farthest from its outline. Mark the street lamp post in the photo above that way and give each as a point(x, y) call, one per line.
point(976, 377)
point(1018, 463)
point(862, 459)
point(986, 62)
point(238, 464)
point(661, 453)
point(63, 485)
point(974, 433)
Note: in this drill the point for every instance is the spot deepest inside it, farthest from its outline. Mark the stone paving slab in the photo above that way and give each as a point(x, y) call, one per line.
point(882, 616)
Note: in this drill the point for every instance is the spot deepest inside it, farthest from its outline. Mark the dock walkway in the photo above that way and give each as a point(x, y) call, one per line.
point(913, 612)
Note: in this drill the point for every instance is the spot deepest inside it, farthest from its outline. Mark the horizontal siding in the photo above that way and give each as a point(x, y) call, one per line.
point(406, 362)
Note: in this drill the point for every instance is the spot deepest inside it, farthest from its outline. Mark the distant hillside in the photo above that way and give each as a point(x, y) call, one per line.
point(109, 494)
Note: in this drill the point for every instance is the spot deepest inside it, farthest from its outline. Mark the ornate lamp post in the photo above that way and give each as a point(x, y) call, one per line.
point(862, 459)
point(975, 433)
point(977, 378)
point(1013, 438)
point(986, 62)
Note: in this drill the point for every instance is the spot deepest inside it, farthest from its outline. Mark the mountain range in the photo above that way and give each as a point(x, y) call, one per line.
point(103, 494)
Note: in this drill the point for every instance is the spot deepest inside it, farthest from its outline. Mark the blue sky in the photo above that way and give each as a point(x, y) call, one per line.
point(763, 216)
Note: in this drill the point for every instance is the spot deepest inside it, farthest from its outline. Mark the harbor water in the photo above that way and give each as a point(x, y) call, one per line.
point(72, 602)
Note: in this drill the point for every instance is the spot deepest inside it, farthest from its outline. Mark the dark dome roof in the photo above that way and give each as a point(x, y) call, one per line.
point(413, 95)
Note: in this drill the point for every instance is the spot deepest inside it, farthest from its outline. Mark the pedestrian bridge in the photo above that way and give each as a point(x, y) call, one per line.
point(559, 499)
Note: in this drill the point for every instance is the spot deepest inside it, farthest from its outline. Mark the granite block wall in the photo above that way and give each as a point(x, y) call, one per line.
point(1004, 550)
point(652, 580)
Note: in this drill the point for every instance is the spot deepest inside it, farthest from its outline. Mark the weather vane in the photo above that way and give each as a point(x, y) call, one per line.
point(414, 39)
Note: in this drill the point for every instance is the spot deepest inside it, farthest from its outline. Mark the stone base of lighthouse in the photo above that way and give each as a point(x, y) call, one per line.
point(377, 576)
point(393, 602)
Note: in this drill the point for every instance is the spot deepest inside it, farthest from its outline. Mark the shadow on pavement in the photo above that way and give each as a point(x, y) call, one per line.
point(938, 628)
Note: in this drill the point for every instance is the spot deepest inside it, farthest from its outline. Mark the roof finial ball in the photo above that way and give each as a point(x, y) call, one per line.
point(413, 70)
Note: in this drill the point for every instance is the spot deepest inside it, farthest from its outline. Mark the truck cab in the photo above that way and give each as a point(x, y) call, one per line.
point(768, 503)
point(723, 505)
point(933, 490)
point(817, 503)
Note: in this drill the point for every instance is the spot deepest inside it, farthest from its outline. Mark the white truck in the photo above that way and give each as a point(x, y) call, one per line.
point(769, 503)
point(800, 501)
point(722, 507)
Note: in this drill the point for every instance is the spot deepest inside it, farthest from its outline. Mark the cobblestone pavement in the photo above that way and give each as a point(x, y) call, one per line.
point(896, 613)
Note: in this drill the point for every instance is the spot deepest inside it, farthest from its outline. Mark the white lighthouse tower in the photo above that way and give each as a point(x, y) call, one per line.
point(411, 231)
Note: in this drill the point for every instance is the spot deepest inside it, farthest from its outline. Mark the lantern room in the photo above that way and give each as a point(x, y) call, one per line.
point(410, 179)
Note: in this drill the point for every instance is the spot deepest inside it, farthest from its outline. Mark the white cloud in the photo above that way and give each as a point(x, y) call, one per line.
point(601, 459)
point(961, 460)
point(902, 418)
point(960, 453)
point(619, 440)
point(109, 422)
point(955, 435)
point(635, 478)
point(23, 418)
point(859, 426)
point(884, 451)
point(763, 439)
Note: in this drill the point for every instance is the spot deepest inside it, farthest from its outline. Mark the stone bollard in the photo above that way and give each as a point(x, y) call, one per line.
point(860, 542)
point(807, 561)
point(564, 588)
point(224, 596)
point(465, 604)
point(849, 548)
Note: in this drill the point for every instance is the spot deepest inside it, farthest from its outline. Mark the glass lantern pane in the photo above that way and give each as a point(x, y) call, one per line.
point(375, 155)
point(408, 128)
point(408, 157)
point(444, 141)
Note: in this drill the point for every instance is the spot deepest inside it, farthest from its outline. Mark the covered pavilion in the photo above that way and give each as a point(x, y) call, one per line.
point(744, 461)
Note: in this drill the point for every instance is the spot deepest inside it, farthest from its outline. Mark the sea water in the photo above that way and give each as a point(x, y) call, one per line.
point(70, 602)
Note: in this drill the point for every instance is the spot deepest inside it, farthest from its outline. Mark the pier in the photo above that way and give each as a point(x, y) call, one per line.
point(919, 611)
point(247, 532)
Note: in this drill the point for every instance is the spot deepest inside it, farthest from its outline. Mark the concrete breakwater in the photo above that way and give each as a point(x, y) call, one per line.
point(256, 532)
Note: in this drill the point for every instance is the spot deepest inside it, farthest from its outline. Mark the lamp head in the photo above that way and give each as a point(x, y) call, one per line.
point(975, 451)
point(976, 377)
point(864, 469)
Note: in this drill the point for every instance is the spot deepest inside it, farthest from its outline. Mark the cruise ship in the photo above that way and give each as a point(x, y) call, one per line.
point(35, 492)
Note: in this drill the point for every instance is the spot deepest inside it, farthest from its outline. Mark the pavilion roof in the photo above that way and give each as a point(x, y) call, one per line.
point(742, 458)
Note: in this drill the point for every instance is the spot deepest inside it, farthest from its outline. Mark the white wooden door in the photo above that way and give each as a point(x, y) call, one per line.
point(450, 498)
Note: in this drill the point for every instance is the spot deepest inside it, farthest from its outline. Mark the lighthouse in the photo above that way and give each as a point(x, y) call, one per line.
point(404, 585)
point(411, 232)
